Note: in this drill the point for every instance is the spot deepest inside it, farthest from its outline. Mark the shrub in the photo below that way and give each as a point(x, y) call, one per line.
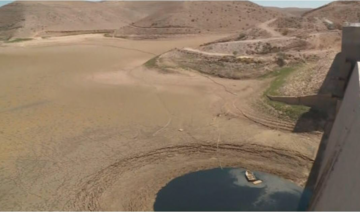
point(285, 32)
point(280, 59)
point(241, 36)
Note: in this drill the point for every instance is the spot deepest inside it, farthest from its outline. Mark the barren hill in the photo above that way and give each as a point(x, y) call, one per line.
point(294, 11)
point(200, 17)
point(337, 12)
point(28, 19)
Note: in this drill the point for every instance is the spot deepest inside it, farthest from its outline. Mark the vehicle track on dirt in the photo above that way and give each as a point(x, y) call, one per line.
point(90, 192)
point(265, 26)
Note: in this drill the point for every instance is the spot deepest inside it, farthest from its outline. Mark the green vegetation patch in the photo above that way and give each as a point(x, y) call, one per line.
point(18, 40)
point(291, 111)
point(152, 63)
point(241, 36)
point(280, 75)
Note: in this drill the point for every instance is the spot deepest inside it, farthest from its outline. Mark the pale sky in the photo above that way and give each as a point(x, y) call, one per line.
point(283, 3)
point(302, 4)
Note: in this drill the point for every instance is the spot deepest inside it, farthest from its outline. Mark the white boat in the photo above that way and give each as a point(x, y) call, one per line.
point(250, 176)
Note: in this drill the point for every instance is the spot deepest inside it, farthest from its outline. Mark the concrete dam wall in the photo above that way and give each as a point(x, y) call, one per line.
point(337, 185)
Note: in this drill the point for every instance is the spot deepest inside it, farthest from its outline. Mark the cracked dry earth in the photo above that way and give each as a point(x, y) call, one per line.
point(84, 126)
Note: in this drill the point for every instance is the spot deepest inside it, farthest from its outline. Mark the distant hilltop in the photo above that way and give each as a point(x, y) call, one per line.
point(126, 19)
point(31, 19)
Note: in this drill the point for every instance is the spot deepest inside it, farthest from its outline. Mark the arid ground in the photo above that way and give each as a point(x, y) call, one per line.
point(102, 104)
point(85, 126)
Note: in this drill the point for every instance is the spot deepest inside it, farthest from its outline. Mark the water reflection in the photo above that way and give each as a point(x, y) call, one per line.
point(227, 189)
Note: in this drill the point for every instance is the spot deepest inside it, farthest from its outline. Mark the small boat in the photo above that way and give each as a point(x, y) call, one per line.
point(250, 176)
point(257, 182)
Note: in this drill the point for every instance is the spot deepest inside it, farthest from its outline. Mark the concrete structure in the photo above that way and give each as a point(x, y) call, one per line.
point(337, 167)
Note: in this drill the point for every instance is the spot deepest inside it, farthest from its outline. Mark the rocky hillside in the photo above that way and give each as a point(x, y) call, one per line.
point(29, 19)
point(199, 17)
point(337, 12)
point(292, 11)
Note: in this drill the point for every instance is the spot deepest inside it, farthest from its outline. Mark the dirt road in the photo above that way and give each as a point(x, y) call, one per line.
point(206, 53)
point(265, 26)
point(83, 126)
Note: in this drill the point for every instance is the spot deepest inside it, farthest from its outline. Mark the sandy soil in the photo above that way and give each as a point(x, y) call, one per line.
point(84, 126)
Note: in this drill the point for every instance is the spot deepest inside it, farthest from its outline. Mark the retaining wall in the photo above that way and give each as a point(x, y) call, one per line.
point(338, 184)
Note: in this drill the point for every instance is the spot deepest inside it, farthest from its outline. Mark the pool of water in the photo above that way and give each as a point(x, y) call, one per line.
point(227, 189)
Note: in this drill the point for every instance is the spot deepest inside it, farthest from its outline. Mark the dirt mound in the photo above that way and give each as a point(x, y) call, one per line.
point(258, 46)
point(29, 19)
point(224, 66)
point(337, 12)
point(236, 60)
point(197, 17)
point(249, 34)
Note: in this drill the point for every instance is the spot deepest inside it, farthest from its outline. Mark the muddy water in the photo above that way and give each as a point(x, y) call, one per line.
point(228, 190)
